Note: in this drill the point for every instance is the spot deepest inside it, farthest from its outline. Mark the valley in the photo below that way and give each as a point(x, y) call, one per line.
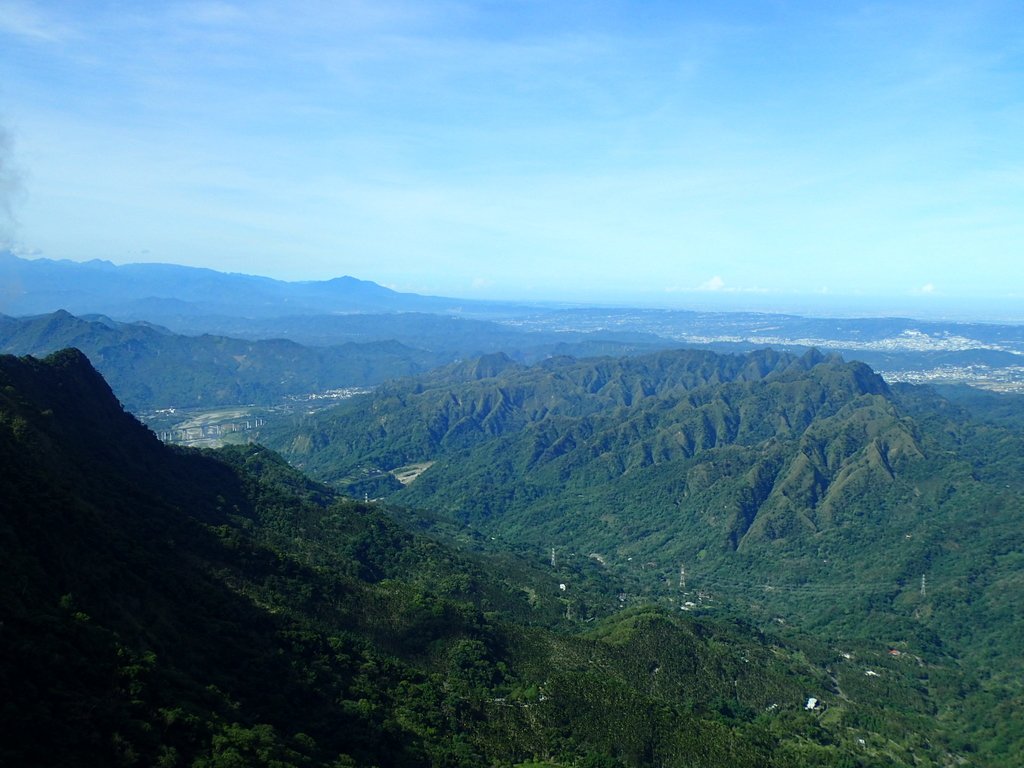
point(801, 494)
point(214, 428)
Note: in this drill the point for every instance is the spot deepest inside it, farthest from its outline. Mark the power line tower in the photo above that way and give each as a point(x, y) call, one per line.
point(924, 589)
point(553, 565)
point(682, 577)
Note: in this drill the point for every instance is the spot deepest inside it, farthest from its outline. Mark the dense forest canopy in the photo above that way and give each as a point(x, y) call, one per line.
point(802, 490)
point(168, 607)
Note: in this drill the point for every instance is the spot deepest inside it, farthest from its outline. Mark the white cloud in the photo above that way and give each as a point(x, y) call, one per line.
point(926, 288)
point(716, 283)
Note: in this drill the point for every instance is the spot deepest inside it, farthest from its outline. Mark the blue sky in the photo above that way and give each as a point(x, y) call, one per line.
point(654, 152)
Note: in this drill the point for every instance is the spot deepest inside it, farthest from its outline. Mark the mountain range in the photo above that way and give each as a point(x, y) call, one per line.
point(167, 607)
point(151, 367)
point(192, 300)
point(151, 291)
point(795, 490)
point(540, 537)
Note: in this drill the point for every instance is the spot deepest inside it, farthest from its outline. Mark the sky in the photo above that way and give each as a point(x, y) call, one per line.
point(660, 153)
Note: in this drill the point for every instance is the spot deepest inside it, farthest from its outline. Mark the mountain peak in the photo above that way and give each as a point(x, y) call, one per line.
point(65, 399)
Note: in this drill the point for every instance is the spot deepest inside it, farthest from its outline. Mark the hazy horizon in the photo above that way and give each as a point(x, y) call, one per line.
point(807, 305)
point(779, 157)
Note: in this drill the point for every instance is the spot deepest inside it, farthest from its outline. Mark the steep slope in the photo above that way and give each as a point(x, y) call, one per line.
point(597, 421)
point(678, 456)
point(167, 607)
point(651, 445)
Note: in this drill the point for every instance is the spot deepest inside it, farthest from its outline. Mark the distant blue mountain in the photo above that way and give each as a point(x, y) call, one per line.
point(130, 291)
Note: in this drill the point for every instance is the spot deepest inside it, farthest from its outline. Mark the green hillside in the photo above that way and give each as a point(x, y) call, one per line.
point(170, 607)
point(795, 492)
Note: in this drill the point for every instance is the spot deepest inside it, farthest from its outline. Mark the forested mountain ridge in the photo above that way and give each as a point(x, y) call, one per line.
point(149, 367)
point(603, 416)
point(170, 607)
point(764, 449)
point(795, 489)
point(795, 433)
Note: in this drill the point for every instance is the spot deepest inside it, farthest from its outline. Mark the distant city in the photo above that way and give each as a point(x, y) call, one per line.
point(901, 350)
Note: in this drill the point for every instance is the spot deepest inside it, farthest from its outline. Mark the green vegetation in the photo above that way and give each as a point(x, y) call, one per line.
point(149, 367)
point(169, 607)
point(800, 493)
